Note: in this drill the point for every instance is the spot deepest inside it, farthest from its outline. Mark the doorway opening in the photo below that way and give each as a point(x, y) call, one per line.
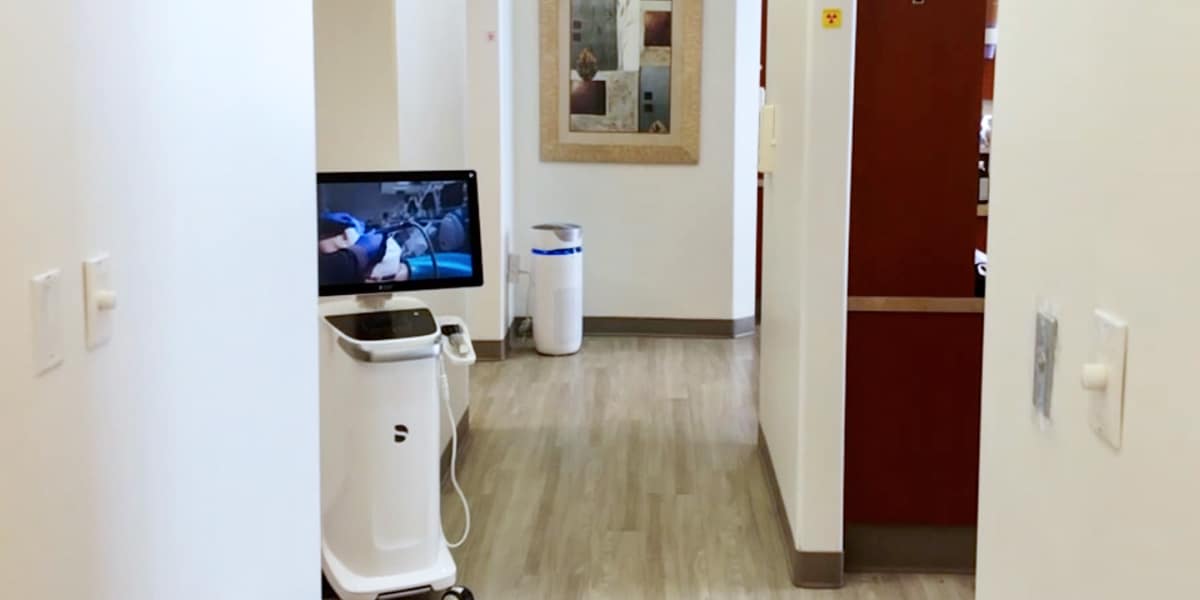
point(917, 266)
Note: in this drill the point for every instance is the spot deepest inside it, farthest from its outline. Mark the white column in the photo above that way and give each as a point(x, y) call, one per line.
point(489, 151)
point(810, 80)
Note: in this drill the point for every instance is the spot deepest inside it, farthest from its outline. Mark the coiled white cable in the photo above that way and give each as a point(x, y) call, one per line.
point(445, 387)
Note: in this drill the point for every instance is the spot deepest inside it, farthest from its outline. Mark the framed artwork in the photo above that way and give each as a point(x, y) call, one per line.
point(620, 80)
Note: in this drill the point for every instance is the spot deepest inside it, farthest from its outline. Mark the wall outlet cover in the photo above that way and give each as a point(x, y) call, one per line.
point(46, 307)
point(1043, 362)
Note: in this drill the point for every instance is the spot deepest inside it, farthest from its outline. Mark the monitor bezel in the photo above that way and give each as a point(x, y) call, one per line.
point(412, 285)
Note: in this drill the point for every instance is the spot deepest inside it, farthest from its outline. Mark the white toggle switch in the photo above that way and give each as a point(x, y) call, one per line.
point(99, 300)
point(1095, 376)
point(1104, 377)
point(106, 299)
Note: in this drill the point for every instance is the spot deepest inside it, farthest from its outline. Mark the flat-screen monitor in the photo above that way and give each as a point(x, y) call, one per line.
point(397, 231)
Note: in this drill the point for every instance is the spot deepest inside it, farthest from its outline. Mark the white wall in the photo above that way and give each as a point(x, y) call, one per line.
point(357, 92)
point(419, 85)
point(747, 100)
point(431, 51)
point(661, 241)
point(392, 76)
point(180, 460)
point(1093, 207)
point(508, 183)
point(489, 151)
point(368, 49)
point(810, 73)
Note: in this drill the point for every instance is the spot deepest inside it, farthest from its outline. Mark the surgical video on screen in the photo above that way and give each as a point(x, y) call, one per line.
point(372, 232)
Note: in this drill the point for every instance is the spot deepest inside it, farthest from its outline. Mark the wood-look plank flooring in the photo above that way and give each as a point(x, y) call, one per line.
point(630, 471)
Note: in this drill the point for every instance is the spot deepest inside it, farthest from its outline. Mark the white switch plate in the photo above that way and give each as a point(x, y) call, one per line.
point(766, 138)
point(1107, 405)
point(97, 278)
point(46, 305)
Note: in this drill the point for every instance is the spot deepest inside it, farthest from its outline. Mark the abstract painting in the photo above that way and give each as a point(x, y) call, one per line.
point(620, 80)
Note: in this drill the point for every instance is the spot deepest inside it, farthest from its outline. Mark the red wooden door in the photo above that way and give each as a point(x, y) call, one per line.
point(912, 390)
point(917, 101)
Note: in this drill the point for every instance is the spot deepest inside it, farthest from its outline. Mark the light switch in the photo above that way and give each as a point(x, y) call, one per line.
point(99, 300)
point(46, 305)
point(1103, 377)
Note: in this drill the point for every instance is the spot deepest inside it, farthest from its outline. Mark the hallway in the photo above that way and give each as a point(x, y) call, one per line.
point(631, 471)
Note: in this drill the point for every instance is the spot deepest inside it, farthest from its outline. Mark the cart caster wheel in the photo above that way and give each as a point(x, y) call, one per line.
point(458, 592)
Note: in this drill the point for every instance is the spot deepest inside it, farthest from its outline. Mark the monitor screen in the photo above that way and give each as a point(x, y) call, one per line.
point(397, 231)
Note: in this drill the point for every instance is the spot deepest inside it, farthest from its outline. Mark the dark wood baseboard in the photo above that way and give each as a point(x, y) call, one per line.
point(641, 326)
point(910, 548)
point(490, 350)
point(497, 350)
point(818, 570)
point(464, 437)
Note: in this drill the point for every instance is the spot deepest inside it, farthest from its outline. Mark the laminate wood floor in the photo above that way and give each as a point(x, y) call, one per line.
point(630, 471)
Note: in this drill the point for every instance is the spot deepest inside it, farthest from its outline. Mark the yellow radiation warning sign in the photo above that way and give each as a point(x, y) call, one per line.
point(831, 18)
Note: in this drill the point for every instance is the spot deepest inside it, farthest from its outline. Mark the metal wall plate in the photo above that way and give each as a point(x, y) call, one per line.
point(1043, 362)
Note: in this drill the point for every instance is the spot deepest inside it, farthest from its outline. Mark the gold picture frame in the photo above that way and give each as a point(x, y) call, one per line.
point(564, 139)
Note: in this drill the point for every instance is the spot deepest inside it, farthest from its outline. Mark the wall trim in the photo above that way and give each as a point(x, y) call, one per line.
point(913, 304)
point(490, 350)
point(497, 350)
point(464, 439)
point(644, 326)
point(818, 570)
point(910, 548)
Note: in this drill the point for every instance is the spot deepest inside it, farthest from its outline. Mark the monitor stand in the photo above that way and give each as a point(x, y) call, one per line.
point(369, 303)
point(373, 302)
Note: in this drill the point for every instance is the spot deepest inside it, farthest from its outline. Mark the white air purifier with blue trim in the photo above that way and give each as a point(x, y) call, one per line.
point(557, 295)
